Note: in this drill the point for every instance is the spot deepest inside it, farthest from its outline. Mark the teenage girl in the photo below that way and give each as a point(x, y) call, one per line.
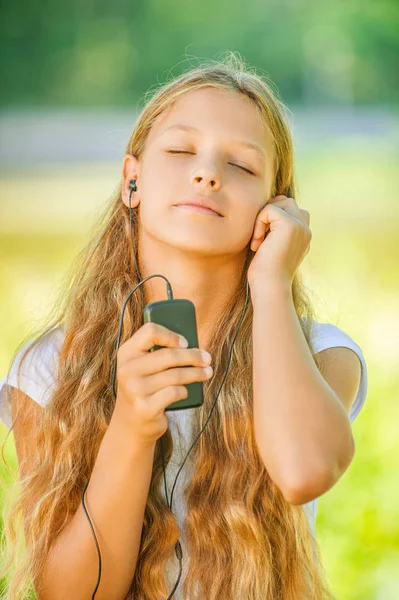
point(241, 519)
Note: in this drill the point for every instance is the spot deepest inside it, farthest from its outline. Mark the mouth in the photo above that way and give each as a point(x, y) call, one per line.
point(201, 204)
point(198, 209)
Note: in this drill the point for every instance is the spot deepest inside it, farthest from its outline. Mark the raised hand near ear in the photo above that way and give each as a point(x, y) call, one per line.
point(281, 240)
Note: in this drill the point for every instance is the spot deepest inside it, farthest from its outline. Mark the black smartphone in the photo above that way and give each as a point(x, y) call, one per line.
point(178, 315)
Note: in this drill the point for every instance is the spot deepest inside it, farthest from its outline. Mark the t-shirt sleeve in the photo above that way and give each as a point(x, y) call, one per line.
point(37, 374)
point(327, 335)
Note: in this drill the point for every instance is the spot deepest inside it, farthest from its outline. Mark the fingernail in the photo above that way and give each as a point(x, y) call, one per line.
point(206, 357)
point(183, 342)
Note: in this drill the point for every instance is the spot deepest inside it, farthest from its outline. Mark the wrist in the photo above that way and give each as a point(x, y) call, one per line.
point(270, 286)
point(121, 429)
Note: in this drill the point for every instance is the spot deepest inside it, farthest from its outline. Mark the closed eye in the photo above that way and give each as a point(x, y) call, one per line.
point(179, 152)
point(243, 168)
point(233, 164)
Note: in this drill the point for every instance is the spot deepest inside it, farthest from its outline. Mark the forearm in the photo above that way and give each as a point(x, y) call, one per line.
point(302, 430)
point(115, 500)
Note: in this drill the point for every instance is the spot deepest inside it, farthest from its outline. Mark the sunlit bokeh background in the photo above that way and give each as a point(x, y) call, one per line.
point(73, 82)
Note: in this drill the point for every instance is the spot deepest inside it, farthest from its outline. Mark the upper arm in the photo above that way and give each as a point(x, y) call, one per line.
point(341, 368)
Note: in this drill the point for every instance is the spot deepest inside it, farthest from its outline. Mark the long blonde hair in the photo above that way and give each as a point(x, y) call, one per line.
point(246, 541)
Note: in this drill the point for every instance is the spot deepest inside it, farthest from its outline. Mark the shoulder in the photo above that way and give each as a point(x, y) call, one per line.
point(33, 371)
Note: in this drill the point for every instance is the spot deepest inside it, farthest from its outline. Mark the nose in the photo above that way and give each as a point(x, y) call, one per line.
point(206, 178)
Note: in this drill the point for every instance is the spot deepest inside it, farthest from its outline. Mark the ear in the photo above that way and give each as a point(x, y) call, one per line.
point(130, 170)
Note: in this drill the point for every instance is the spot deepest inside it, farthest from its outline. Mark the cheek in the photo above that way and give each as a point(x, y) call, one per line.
point(156, 182)
point(241, 227)
point(162, 163)
point(162, 178)
point(246, 209)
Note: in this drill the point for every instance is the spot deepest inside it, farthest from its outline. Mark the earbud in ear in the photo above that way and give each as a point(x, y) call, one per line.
point(132, 185)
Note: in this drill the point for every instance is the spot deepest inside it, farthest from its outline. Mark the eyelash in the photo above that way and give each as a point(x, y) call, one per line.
point(234, 165)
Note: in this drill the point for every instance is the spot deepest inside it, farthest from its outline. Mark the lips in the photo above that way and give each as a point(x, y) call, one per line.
point(198, 209)
point(203, 203)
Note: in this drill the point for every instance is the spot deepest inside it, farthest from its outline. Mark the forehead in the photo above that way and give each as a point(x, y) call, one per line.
point(224, 113)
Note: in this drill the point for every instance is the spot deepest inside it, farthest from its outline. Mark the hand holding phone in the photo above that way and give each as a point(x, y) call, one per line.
point(151, 381)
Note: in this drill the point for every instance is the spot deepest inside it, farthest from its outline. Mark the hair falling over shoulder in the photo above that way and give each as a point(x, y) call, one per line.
point(246, 541)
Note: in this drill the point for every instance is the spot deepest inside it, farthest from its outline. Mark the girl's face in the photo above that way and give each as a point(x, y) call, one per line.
point(212, 144)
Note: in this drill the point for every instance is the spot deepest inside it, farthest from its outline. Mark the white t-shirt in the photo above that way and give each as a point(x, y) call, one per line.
point(38, 376)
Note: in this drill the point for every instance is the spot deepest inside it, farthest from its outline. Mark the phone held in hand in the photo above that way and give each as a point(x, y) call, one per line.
point(179, 316)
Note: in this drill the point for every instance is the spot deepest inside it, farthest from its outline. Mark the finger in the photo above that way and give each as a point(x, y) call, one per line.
point(265, 218)
point(277, 199)
point(263, 224)
point(290, 206)
point(149, 335)
point(151, 363)
point(260, 228)
point(144, 386)
point(259, 236)
point(163, 398)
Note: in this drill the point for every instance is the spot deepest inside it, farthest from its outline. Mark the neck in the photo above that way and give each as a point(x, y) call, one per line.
point(209, 281)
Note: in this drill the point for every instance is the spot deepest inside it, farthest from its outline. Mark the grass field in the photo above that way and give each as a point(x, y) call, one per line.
point(353, 272)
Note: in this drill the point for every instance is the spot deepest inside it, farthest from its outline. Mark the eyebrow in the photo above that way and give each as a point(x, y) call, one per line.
point(251, 146)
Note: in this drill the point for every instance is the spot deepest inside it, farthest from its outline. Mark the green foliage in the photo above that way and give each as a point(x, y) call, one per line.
point(101, 54)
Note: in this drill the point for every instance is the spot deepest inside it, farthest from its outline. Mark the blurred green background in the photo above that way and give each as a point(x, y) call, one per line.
point(74, 79)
